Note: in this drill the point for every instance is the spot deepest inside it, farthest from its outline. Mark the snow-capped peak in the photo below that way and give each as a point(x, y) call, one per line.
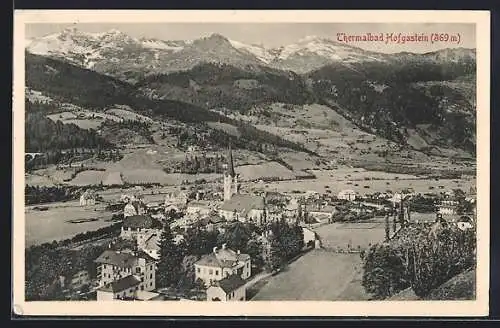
point(258, 51)
point(310, 38)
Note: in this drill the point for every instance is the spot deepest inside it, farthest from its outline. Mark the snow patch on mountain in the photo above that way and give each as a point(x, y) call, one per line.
point(260, 52)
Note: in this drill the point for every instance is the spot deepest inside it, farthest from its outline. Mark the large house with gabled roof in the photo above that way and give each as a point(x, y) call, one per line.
point(231, 288)
point(222, 263)
point(122, 274)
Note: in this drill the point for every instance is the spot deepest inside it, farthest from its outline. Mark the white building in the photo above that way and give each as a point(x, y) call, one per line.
point(122, 274)
point(222, 263)
point(149, 243)
point(231, 288)
point(347, 194)
point(88, 198)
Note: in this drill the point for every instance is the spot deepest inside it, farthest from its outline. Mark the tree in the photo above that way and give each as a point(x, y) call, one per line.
point(273, 258)
point(383, 271)
point(387, 228)
point(170, 263)
point(236, 236)
point(255, 250)
point(200, 241)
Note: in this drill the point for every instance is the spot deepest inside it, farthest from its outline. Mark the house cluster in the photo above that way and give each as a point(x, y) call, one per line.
point(125, 275)
point(88, 198)
point(224, 272)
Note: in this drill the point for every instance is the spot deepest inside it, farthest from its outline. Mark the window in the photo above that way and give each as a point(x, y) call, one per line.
point(199, 270)
point(151, 276)
point(229, 296)
point(142, 287)
point(138, 270)
point(216, 272)
point(210, 272)
point(136, 287)
point(151, 284)
point(131, 290)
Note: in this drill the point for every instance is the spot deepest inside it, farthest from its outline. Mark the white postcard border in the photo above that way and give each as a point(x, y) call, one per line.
point(479, 307)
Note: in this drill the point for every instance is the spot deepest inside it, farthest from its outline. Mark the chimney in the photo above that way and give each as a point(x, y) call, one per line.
point(215, 249)
point(224, 246)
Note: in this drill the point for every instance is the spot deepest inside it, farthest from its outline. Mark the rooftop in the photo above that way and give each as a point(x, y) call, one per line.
point(120, 259)
point(121, 284)
point(223, 258)
point(138, 221)
point(151, 242)
point(243, 203)
point(230, 283)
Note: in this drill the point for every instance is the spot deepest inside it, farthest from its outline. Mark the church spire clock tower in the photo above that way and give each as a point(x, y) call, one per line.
point(230, 177)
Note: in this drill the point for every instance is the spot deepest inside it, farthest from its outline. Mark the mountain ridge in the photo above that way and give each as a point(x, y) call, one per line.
point(102, 51)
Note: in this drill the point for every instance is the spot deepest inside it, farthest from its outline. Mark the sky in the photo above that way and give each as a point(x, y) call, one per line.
point(278, 34)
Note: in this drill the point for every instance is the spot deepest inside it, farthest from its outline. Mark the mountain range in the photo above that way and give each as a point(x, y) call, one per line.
point(118, 54)
point(401, 97)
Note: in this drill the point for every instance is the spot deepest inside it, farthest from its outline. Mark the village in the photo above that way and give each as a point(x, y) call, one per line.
point(130, 267)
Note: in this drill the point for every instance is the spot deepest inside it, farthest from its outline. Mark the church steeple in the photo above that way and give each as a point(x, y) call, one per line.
point(230, 177)
point(230, 164)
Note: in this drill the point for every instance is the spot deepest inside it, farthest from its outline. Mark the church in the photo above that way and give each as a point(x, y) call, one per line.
point(236, 206)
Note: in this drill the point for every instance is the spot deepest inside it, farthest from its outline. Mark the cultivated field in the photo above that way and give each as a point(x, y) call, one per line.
point(319, 185)
point(340, 235)
point(88, 178)
point(228, 128)
point(38, 180)
point(267, 170)
point(125, 113)
point(83, 118)
point(46, 226)
point(317, 276)
point(324, 274)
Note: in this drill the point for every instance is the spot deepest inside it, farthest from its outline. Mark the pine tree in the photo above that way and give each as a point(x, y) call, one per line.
point(273, 257)
point(387, 228)
point(170, 263)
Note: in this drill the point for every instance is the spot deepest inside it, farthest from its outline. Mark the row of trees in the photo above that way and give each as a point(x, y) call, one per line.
point(44, 194)
point(45, 263)
point(140, 127)
point(420, 257)
point(43, 134)
point(199, 164)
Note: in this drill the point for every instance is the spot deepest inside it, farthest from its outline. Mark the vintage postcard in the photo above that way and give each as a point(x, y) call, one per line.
point(251, 163)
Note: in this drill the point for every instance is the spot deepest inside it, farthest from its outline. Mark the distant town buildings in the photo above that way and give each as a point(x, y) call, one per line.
point(222, 263)
point(176, 201)
point(88, 198)
point(134, 207)
point(448, 207)
point(124, 275)
point(347, 194)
